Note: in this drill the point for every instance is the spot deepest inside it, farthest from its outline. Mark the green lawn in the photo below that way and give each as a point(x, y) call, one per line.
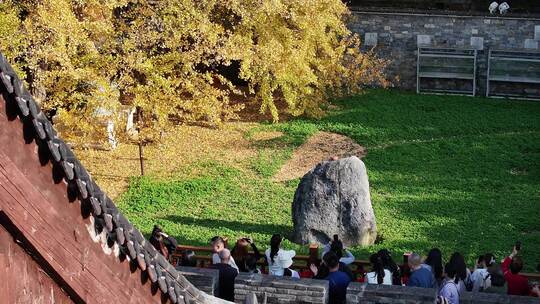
point(458, 173)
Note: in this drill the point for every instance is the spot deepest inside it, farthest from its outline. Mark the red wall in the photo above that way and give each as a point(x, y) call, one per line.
point(41, 210)
point(22, 280)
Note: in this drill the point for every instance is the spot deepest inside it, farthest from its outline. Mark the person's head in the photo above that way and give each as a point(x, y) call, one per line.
point(251, 263)
point(414, 261)
point(480, 263)
point(337, 246)
point(489, 260)
point(331, 261)
point(217, 243)
point(496, 275)
point(377, 267)
point(156, 232)
point(225, 256)
point(387, 260)
point(434, 259)
point(241, 249)
point(188, 258)
point(458, 262)
point(450, 271)
point(275, 243)
point(516, 265)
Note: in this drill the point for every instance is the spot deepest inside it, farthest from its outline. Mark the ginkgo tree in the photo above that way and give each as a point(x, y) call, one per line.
point(85, 60)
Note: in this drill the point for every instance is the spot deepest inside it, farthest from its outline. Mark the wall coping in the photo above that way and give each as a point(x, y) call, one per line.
point(427, 14)
point(250, 279)
point(359, 292)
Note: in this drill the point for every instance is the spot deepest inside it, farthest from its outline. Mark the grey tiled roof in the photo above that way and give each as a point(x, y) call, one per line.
point(107, 216)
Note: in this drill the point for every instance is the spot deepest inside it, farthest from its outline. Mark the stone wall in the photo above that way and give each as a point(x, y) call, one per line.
point(374, 294)
point(379, 294)
point(270, 289)
point(396, 36)
point(491, 298)
point(204, 279)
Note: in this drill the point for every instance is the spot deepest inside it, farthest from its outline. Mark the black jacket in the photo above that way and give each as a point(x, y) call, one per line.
point(227, 274)
point(323, 271)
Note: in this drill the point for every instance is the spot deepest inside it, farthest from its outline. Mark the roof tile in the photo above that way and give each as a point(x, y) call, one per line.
point(105, 213)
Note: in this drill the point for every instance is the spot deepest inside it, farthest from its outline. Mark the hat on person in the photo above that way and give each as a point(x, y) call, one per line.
point(285, 259)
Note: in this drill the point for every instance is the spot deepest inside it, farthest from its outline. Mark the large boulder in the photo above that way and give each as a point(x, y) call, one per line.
point(333, 198)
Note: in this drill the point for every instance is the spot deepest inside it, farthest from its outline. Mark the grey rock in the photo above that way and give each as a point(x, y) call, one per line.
point(333, 198)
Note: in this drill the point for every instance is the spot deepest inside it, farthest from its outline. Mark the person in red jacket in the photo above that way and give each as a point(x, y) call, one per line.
point(517, 284)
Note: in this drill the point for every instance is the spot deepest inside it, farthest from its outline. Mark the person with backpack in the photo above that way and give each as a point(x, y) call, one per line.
point(450, 288)
point(480, 277)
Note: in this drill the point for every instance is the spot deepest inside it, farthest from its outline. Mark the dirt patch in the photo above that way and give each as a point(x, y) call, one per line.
point(182, 147)
point(319, 147)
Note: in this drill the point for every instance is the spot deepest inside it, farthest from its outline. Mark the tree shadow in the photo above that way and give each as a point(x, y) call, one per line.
point(249, 228)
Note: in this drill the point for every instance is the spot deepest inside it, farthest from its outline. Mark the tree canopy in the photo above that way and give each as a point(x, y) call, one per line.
point(172, 60)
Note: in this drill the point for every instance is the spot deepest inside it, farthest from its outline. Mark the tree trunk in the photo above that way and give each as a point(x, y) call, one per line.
point(141, 157)
point(138, 128)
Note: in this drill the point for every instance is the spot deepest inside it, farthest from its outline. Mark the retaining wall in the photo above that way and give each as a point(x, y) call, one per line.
point(271, 289)
point(396, 36)
point(379, 294)
point(205, 279)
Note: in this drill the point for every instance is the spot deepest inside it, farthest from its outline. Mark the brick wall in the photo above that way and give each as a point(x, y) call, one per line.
point(270, 289)
point(374, 294)
point(204, 279)
point(490, 298)
point(395, 36)
point(379, 294)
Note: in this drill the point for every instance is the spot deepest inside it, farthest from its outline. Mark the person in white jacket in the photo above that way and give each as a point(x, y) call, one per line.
point(277, 258)
point(345, 256)
point(480, 277)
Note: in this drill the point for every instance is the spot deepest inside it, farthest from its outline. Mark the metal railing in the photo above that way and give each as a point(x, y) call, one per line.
point(513, 67)
point(446, 65)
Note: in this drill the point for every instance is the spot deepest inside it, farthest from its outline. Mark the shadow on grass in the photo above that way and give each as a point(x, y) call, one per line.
point(248, 228)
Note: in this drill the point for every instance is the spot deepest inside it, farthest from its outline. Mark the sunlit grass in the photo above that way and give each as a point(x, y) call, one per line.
point(458, 173)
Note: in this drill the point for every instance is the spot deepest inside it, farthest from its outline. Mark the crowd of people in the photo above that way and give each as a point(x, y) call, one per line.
point(450, 279)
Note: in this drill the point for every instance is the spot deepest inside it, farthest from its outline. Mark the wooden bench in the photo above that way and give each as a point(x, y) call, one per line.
point(300, 261)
